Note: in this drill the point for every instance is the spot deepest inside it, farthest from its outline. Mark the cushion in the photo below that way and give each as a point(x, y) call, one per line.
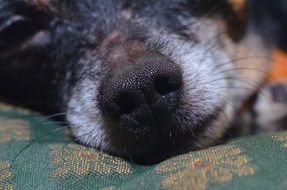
point(37, 153)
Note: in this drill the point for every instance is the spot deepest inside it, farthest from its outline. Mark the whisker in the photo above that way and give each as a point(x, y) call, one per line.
point(256, 85)
point(240, 69)
point(55, 123)
point(242, 79)
point(235, 87)
point(241, 59)
point(198, 144)
point(56, 115)
point(60, 129)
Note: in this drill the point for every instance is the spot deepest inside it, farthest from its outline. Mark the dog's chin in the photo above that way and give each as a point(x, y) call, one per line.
point(154, 146)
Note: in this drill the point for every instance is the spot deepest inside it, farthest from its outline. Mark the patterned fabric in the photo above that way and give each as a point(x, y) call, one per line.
point(36, 153)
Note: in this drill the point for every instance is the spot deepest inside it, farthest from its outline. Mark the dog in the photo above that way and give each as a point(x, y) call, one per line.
point(143, 80)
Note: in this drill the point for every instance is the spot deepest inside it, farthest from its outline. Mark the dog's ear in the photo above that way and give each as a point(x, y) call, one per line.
point(24, 32)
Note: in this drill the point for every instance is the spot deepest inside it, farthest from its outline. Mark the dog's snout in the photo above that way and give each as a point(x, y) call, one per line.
point(143, 92)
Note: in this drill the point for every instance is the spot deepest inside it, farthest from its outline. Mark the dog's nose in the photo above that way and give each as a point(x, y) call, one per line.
point(144, 92)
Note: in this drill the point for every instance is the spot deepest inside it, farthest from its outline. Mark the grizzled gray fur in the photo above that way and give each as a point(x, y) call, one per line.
point(139, 79)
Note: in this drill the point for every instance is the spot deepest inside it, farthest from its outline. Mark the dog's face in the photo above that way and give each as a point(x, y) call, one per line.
point(140, 79)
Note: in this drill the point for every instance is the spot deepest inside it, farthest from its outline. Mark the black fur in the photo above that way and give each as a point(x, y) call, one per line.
point(28, 78)
point(270, 18)
point(46, 74)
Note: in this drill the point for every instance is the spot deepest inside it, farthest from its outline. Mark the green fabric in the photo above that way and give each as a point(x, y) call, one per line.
point(36, 154)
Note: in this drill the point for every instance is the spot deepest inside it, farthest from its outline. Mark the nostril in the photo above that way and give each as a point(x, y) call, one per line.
point(147, 90)
point(126, 103)
point(166, 85)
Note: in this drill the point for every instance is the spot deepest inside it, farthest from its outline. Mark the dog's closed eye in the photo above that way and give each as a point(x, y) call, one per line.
point(24, 33)
point(32, 33)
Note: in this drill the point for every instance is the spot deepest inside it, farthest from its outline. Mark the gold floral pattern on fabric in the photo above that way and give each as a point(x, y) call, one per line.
point(80, 160)
point(196, 171)
point(7, 107)
point(282, 139)
point(5, 174)
point(108, 188)
point(13, 129)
